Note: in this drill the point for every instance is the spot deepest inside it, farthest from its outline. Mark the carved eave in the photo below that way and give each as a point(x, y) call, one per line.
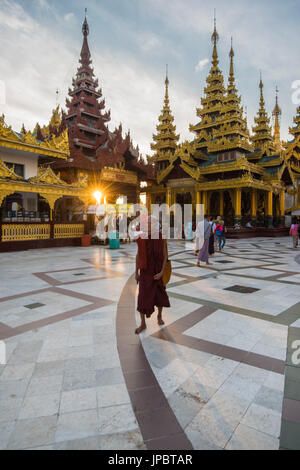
point(273, 163)
point(193, 172)
point(8, 173)
point(245, 181)
point(47, 176)
point(240, 164)
point(163, 174)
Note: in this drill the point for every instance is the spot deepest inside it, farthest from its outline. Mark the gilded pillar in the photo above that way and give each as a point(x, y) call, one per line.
point(168, 199)
point(204, 202)
point(269, 209)
point(254, 204)
point(221, 203)
point(238, 205)
point(148, 203)
point(198, 201)
point(282, 207)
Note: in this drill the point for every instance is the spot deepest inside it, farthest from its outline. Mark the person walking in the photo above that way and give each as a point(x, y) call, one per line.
point(211, 245)
point(294, 232)
point(203, 253)
point(198, 237)
point(151, 260)
point(220, 233)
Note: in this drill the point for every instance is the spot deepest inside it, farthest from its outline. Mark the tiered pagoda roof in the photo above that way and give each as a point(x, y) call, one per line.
point(262, 138)
point(92, 145)
point(233, 133)
point(166, 139)
point(212, 104)
point(276, 115)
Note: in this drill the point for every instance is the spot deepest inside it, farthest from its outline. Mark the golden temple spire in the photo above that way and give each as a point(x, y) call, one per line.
point(262, 138)
point(231, 71)
point(165, 141)
point(215, 39)
point(276, 114)
point(167, 87)
point(261, 86)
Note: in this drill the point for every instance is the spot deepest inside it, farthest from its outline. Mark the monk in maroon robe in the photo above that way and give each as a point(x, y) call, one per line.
point(151, 260)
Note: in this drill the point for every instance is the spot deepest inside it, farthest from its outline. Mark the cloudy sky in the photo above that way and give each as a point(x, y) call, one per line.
point(131, 41)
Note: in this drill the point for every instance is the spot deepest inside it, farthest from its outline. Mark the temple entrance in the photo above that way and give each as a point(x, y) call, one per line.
point(68, 209)
point(160, 199)
point(228, 209)
point(246, 207)
point(215, 204)
point(182, 199)
point(261, 208)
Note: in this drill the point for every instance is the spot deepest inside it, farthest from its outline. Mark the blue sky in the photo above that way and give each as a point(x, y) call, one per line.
point(131, 41)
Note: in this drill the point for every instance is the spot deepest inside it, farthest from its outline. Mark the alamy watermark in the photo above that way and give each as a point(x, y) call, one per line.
point(2, 92)
point(175, 222)
point(296, 354)
point(2, 353)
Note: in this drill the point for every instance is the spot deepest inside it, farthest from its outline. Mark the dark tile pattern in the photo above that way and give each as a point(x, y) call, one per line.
point(35, 305)
point(242, 289)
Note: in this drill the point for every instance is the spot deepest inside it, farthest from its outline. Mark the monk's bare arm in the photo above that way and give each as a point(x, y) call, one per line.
point(137, 262)
point(160, 275)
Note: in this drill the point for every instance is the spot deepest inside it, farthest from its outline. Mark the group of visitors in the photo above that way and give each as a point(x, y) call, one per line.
point(212, 231)
point(295, 232)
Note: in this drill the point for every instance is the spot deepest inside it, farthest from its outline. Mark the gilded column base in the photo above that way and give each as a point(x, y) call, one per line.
point(269, 221)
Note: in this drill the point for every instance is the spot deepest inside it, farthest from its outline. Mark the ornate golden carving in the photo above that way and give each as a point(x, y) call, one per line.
point(117, 174)
point(6, 172)
point(57, 147)
point(47, 175)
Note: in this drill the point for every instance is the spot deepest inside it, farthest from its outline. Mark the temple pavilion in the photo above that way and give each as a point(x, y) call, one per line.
point(240, 176)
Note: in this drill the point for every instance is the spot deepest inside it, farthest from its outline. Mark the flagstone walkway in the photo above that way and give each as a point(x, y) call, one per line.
point(220, 375)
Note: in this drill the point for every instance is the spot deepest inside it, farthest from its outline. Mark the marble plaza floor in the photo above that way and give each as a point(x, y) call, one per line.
point(219, 375)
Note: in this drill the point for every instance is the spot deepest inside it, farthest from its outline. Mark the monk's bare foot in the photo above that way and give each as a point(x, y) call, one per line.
point(160, 321)
point(140, 329)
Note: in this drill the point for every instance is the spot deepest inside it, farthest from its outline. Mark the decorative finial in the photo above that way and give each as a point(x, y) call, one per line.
point(167, 76)
point(215, 35)
point(277, 111)
point(231, 53)
point(261, 85)
point(85, 26)
point(215, 38)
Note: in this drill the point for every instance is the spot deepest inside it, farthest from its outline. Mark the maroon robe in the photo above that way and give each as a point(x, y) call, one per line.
point(151, 293)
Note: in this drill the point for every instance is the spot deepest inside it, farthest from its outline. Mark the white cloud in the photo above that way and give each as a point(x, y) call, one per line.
point(201, 64)
point(69, 17)
point(148, 42)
